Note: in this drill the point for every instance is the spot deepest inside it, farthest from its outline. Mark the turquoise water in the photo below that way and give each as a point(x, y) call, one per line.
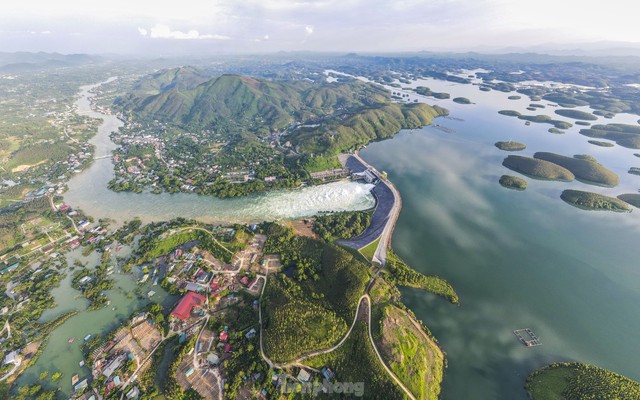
point(517, 259)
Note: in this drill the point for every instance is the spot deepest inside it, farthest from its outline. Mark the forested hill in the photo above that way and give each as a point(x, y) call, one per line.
point(252, 104)
point(329, 117)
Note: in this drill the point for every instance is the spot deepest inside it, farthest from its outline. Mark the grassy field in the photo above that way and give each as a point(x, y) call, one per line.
point(415, 359)
point(320, 163)
point(369, 250)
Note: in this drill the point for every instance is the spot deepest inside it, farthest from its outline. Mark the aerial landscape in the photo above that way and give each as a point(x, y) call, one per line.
point(319, 199)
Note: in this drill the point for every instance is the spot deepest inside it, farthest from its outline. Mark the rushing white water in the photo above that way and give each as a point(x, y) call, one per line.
point(88, 191)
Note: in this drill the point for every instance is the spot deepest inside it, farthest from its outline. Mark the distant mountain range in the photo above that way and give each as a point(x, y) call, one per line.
point(24, 61)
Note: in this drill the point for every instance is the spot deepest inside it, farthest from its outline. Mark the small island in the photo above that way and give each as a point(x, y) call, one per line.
point(637, 154)
point(600, 143)
point(539, 119)
point(511, 146)
point(634, 171)
point(631, 198)
point(556, 131)
point(576, 114)
point(584, 170)
point(539, 169)
point(425, 91)
point(567, 381)
point(623, 134)
point(513, 182)
point(583, 123)
point(514, 97)
point(509, 113)
point(594, 201)
point(461, 100)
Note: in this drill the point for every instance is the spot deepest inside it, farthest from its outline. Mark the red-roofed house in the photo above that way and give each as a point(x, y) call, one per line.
point(224, 336)
point(227, 348)
point(186, 305)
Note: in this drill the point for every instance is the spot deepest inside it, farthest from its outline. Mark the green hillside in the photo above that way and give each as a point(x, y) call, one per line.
point(575, 381)
point(234, 102)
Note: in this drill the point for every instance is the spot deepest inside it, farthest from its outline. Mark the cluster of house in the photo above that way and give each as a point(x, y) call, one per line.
point(129, 346)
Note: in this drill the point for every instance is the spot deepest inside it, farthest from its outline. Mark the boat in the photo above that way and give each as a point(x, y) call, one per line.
point(71, 339)
point(81, 363)
point(86, 338)
point(75, 379)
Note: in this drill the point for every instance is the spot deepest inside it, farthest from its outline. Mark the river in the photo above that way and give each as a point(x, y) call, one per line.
point(517, 259)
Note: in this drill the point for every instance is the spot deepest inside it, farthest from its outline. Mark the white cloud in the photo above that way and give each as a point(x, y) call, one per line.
point(308, 29)
point(161, 31)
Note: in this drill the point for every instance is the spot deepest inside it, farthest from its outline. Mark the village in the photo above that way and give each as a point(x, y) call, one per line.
point(215, 316)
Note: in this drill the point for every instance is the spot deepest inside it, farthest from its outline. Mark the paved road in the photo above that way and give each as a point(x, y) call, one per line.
point(383, 220)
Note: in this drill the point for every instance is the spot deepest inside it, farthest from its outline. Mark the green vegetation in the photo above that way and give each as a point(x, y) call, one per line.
point(575, 381)
point(584, 170)
point(586, 157)
point(600, 143)
point(583, 123)
point(365, 126)
point(370, 250)
point(509, 113)
point(576, 114)
point(155, 244)
point(425, 91)
point(312, 309)
point(538, 168)
point(94, 289)
point(402, 274)
point(624, 135)
point(356, 361)
point(593, 201)
point(320, 163)
point(461, 100)
point(511, 146)
point(541, 119)
point(513, 182)
point(410, 353)
point(297, 324)
point(258, 134)
point(342, 225)
point(556, 131)
point(631, 198)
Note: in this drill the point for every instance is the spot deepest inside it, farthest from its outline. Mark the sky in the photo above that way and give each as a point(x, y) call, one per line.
point(250, 26)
